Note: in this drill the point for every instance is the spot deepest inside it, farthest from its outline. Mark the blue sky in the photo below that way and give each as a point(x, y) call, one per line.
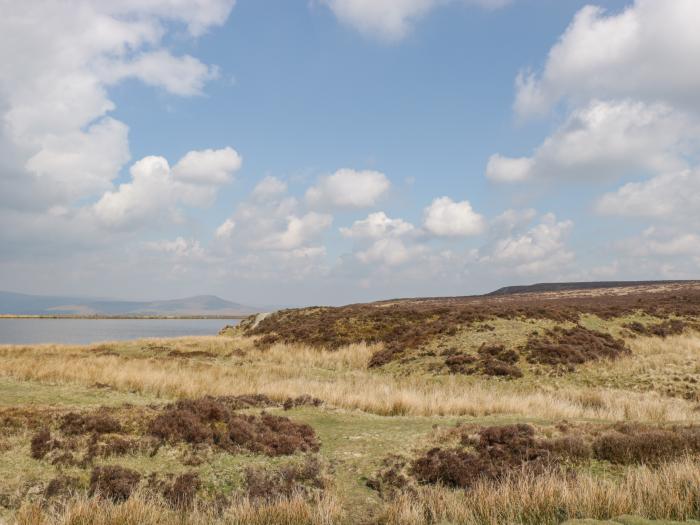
point(332, 151)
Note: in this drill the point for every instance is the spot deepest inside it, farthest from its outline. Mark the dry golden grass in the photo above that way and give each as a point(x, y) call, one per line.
point(670, 492)
point(341, 379)
point(143, 509)
point(670, 366)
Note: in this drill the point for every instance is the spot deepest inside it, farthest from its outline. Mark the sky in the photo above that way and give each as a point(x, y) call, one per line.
point(300, 152)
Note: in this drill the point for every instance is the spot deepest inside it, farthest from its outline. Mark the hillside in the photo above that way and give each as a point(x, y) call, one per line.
point(591, 285)
point(23, 304)
point(534, 408)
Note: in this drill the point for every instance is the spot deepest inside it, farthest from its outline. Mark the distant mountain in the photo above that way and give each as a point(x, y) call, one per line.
point(23, 304)
point(561, 287)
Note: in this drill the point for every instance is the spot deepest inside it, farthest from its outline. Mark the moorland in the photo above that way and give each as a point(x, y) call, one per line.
point(576, 405)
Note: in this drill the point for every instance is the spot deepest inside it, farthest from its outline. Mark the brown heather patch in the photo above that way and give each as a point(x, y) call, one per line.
point(286, 481)
point(303, 400)
point(61, 486)
point(411, 323)
point(210, 421)
point(42, 443)
point(492, 360)
point(573, 346)
point(497, 452)
point(74, 423)
point(631, 443)
point(181, 493)
point(663, 329)
point(113, 482)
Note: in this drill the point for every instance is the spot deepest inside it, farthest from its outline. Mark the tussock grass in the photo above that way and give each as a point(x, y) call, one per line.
point(143, 508)
point(669, 492)
point(340, 379)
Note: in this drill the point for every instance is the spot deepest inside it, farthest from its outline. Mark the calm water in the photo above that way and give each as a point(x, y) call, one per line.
point(83, 331)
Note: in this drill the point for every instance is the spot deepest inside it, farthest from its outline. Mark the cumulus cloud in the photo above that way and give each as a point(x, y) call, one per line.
point(647, 52)
point(447, 218)
point(225, 230)
point(58, 145)
point(184, 75)
point(179, 247)
point(605, 139)
point(348, 188)
point(378, 225)
point(667, 242)
point(538, 250)
point(156, 191)
point(298, 232)
point(80, 162)
point(671, 196)
point(269, 187)
point(271, 220)
point(509, 169)
point(208, 166)
point(390, 252)
point(392, 19)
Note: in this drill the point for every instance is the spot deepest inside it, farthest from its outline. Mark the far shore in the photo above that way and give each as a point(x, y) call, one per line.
point(95, 317)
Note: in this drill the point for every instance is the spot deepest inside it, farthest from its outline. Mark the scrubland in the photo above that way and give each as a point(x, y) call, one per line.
point(540, 408)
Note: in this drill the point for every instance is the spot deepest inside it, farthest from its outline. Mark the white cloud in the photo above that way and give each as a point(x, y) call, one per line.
point(672, 196)
point(298, 232)
point(348, 188)
point(538, 250)
point(269, 187)
point(657, 241)
point(391, 19)
point(184, 76)
point(378, 225)
point(272, 221)
point(156, 191)
point(389, 251)
point(446, 218)
point(648, 51)
point(225, 230)
point(208, 166)
point(509, 169)
point(605, 140)
point(79, 162)
point(509, 220)
point(197, 15)
point(58, 144)
point(179, 247)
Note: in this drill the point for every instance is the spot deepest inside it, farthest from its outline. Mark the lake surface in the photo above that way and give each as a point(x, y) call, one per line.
point(84, 331)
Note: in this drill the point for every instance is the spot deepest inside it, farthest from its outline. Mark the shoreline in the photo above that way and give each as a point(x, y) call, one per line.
point(124, 317)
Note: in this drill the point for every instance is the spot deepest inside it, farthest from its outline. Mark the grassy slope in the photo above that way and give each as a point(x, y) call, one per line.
point(356, 433)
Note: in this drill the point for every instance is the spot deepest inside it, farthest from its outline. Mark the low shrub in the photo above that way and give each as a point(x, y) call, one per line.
point(209, 420)
point(662, 329)
point(61, 486)
point(384, 356)
point(303, 400)
point(572, 346)
point(497, 451)
point(636, 444)
point(74, 423)
point(41, 444)
point(286, 481)
point(114, 482)
point(492, 360)
point(181, 492)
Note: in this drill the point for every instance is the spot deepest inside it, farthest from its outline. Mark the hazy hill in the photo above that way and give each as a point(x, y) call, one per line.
point(23, 304)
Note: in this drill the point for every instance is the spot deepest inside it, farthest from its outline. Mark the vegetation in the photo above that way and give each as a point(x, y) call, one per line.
point(530, 408)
